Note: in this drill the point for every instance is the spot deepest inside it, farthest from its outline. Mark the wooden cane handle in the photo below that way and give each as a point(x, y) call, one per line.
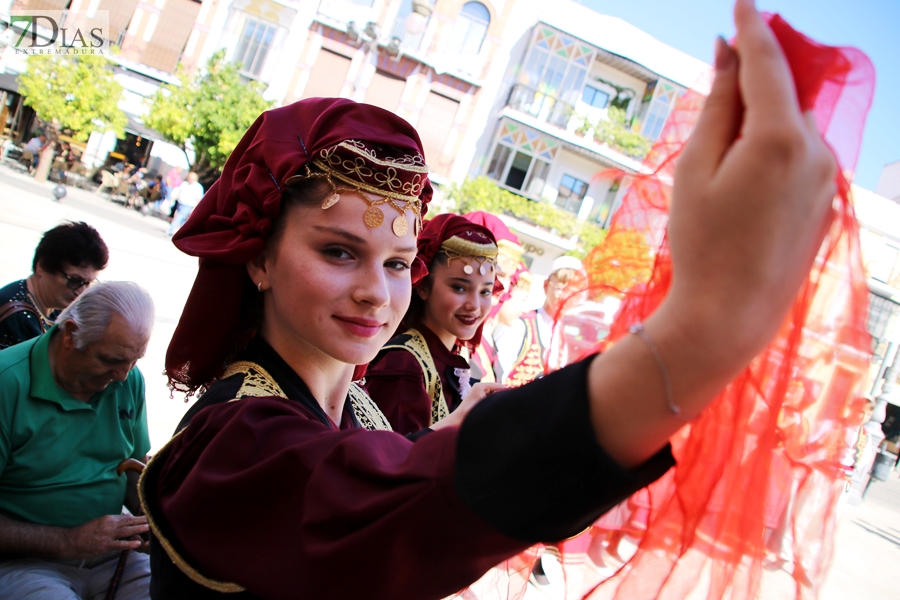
point(130, 464)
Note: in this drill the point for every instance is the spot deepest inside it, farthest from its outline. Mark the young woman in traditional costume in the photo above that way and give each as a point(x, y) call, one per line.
point(508, 302)
point(419, 377)
point(307, 259)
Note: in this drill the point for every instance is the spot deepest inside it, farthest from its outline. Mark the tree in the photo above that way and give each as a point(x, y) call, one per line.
point(72, 92)
point(209, 113)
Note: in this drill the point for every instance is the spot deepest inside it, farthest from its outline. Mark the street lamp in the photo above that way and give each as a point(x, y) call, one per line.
point(416, 21)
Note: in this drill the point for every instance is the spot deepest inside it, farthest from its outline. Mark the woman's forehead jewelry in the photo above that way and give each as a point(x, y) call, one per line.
point(373, 217)
point(351, 166)
point(400, 226)
point(470, 253)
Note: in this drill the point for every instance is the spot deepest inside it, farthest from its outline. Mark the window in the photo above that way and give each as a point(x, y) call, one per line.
point(556, 65)
point(471, 27)
point(253, 46)
point(498, 162)
point(434, 124)
point(881, 313)
point(571, 193)
point(655, 119)
point(881, 268)
point(385, 90)
point(327, 76)
point(602, 211)
point(522, 157)
point(663, 96)
point(594, 97)
point(518, 170)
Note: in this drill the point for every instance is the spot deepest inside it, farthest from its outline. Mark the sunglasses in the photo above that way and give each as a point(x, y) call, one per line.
point(74, 282)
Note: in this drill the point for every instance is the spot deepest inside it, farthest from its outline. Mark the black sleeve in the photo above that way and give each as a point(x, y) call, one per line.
point(417, 434)
point(19, 327)
point(527, 460)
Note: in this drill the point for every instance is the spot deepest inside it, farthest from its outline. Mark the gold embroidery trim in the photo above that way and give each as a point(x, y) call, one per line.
point(195, 575)
point(418, 347)
point(469, 248)
point(358, 173)
point(528, 365)
point(257, 381)
point(367, 412)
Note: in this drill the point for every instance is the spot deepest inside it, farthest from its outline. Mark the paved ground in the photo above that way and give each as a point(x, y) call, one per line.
point(867, 545)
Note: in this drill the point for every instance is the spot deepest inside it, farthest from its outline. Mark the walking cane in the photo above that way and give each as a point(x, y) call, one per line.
point(129, 464)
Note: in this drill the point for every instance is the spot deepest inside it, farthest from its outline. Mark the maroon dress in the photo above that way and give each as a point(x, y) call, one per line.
point(396, 383)
point(268, 495)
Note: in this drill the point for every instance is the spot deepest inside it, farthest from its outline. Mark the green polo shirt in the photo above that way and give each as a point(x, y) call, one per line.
point(58, 455)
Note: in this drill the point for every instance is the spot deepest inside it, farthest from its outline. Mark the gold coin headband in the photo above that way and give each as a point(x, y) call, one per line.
point(469, 252)
point(397, 181)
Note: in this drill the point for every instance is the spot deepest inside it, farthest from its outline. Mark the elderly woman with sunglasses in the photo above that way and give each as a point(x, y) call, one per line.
point(275, 488)
point(66, 261)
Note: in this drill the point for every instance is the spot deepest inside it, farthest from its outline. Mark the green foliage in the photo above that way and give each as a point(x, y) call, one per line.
point(211, 111)
point(75, 92)
point(617, 134)
point(483, 194)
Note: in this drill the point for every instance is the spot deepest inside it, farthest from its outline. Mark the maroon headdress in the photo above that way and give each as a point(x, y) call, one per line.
point(508, 242)
point(353, 146)
point(460, 239)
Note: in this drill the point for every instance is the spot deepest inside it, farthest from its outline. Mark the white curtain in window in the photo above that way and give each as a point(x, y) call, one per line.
point(253, 46)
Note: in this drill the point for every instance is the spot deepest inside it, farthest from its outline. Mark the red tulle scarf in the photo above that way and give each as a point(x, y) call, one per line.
point(761, 471)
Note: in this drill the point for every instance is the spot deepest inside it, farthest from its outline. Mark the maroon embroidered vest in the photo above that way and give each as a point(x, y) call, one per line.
point(529, 365)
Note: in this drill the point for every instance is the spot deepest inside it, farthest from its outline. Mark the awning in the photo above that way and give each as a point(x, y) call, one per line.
point(9, 82)
point(135, 127)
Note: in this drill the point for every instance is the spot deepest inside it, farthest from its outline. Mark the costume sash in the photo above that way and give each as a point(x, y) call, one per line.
point(529, 364)
point(258, 382)
point(413, 342)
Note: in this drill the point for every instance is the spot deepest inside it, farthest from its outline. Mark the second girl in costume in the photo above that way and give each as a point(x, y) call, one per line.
point(419, 377)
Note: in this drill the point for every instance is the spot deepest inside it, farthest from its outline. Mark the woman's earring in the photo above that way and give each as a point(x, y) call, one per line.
point(259, 286)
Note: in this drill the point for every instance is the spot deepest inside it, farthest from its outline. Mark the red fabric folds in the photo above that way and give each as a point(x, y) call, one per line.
point(760, 472)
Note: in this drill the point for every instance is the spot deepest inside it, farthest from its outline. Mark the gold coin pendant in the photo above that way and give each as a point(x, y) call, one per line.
point(373, 217)
point(331, 201)
point(400, 226)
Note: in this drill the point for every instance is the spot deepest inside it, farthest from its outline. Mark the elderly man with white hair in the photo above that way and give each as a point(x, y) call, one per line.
point(71, 409)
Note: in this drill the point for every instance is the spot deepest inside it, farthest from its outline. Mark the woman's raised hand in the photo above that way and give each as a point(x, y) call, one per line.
point(751, 203)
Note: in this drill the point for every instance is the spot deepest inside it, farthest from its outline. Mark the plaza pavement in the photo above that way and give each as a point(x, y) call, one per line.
point(867, 544)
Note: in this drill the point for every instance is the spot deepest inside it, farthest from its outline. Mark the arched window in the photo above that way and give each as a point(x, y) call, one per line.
point(471, 26)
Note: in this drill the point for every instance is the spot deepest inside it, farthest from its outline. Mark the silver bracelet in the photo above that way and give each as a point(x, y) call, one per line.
point(638, 329)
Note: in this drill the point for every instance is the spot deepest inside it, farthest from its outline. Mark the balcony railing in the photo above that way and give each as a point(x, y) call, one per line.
point(541, 106)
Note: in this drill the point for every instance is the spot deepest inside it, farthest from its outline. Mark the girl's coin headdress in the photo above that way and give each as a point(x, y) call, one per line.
point(469, 252)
